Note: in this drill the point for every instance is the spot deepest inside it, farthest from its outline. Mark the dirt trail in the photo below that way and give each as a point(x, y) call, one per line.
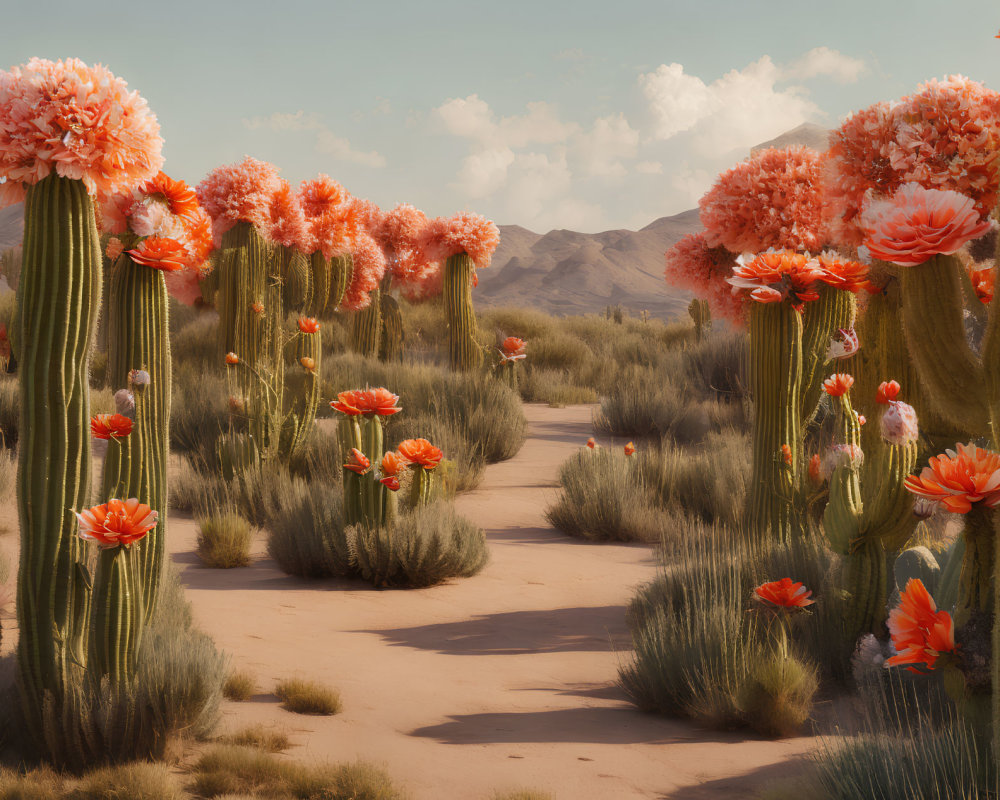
point(501, 681)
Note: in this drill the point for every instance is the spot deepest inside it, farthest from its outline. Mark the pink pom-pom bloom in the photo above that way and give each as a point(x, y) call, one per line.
point(691, 264)
point(472, 234)
point(771, 200)
point(401, 228)
point(239, 193)
point(81, 122)
point(332, 218)
point(775, 276)
point(286, 221)
point(367, 272)
point(417, 278)
point(917, 224)
point(369, 215)
point(899, 423)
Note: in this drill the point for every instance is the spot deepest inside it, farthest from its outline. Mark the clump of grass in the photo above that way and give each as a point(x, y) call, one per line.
point(224, 540)
point(230, 770)
point(199, 410)
point(308, 697)
point(306, 536)
point(267, 739)
point(425, 546)
point(138, 781)
point(523, 794)
point(777, 695)
point(239, 687)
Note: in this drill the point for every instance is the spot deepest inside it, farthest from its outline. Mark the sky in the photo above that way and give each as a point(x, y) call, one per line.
point(585, 115)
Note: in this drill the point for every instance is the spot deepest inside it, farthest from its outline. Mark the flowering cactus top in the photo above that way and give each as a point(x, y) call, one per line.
point(778, 275)
point(692, 264)
point(239, 193)
point(917, 224)
point(333, 219)
point(286, 220)
point(369, 215)
point(771, 200)
point(784, 594)
point(367, 272)
point(81, 122)
point(960, 479)
point(401, 228)
point(472, 234)
point(920, 633)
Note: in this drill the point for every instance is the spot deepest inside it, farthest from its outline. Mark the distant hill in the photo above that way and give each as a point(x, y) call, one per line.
point(807, 133)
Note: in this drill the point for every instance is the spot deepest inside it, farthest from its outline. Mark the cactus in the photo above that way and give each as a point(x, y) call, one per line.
point(301, 391)
point(118, 615)
point(366, 326)
point(341, 268)
point(320, 276)
point(700, 314)
point(58, 301)
point(391, 339)
point(917, 562)
point(463, 349)
point(139, 340)
point(296, 278)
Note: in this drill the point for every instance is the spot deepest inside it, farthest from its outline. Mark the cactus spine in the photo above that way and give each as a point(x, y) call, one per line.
point(302, 391)
point(118, 615)
point(341, 269)
point(296, 278)
point(367, 325)
point(58, 301)
point(463, 349)
point(140, 340)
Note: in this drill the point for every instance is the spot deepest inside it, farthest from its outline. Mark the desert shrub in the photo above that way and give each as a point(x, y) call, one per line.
point(559, 350)
point(139, 781)
point(463, 467)
point(423, 547)
point(527, 323)
point(777, 694)
point(258, 492)
point(224, 540)
point(230, 770)
point(318, 460)
point(194, 340)
point(305, 535)
point(553, 386)
point(42, 783)
point(719, 363)
point(308, 697)
point(239, 686)
point(266, 739)
point(10, 410)
point(199, 410)
point(604, 497)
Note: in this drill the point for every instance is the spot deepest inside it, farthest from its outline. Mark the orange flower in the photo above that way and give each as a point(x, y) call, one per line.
point(960, 480)
point(778, 275)
point(257, 307)
point(815, 474)
point(307, 363)
point(849, 276)
point(838, 385)
point(420, 452)
point(920, 633)
point(110, 426)
point(591, 443)
point(784, 594)
point(392, 464)
point(117, 522)
point(786, 454)
point(161, 253)
point(181, 198)
point(236, 405)
point(917, 224)
point(983, 282)
point(512, 348)
point(114, 248)
point(862, 419)
point(232, 359)
point(308, 325)
point(359, 462)
point(887, 392)
point(629, 449)
point(368, 402)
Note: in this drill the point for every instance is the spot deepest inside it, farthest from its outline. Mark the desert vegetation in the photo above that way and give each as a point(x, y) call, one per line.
point(813, 454)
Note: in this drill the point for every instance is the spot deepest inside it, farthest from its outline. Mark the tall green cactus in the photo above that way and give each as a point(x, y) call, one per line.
point(701, 315)
point(139, 340)
point(296, 278)
point(301, 391)
point(341, 270)
point(320, 276)
point(118, 615)
point(58, 303)
point(391, 339)
point(367, 325)
point(464, 352)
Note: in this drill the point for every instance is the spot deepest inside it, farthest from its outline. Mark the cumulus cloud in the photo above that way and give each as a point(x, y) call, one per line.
point(743, 107)
point(825, 62)
point(484, 172)
point(601, 150)
point(649, 167)
point(326, 141)
point(472, 118)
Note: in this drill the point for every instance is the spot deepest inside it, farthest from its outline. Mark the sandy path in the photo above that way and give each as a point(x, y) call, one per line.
point(500, 681)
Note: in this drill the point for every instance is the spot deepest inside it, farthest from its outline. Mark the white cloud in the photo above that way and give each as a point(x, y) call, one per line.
point(649, 168)
point(540, 190)
point(736, 111)
point(690, 183)
point(472, 118)
point(485, 172)
point(602, 149)
point(825, 62)
point(326, 141)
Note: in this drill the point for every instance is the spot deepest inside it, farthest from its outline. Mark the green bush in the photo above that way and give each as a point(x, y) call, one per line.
point(199, 410)
point(306, 537)
point(425, 546)
point(224, 540)
point(308, 697)
point(777, 695)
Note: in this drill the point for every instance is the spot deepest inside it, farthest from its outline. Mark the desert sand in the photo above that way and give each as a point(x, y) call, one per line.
point(501, 681)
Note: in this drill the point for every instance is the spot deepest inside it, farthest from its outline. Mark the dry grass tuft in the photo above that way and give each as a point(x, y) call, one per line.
point(308, 697)
point(224, 540)
point(267, 739)
point(239, 687)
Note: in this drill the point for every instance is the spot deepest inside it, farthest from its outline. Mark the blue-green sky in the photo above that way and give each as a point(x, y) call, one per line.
point(581, 115)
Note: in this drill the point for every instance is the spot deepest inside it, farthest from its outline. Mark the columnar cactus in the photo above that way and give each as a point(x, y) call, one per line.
point(390, 345)
point(366, 326)
point(302, 386)
point(333, 223)
point(512, 350)
point(86, 134)
point(701, 315)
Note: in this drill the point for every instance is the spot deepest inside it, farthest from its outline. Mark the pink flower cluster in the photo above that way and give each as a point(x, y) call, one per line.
point(286, 222)
point(771, 200)
point(333, 220)
point(368, 270)
point(691, 264)
point(464, 232)
point(239, 193)
point(81, 122)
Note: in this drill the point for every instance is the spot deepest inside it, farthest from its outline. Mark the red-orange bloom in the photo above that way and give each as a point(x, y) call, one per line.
point(920, 633)
point(257, 307)
point(180, 198)
point(307, 363)
point(630, 449)
point(368, 402)
point(392, 464)
point(420, 452)
point(232, 359)
point(110, 426)
point(160, 253)
point(117, 522)
point(960, 480)
point(887, 392)
point(786, 454)
point(815, 471)
point(778, 275)
point(512, 347)
point(838, 385)
point(983, 281)
point(784, 594)
point(591, 443)
point(308, 325)
point(918, 224)
point(849, 276)
point(359, 462)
